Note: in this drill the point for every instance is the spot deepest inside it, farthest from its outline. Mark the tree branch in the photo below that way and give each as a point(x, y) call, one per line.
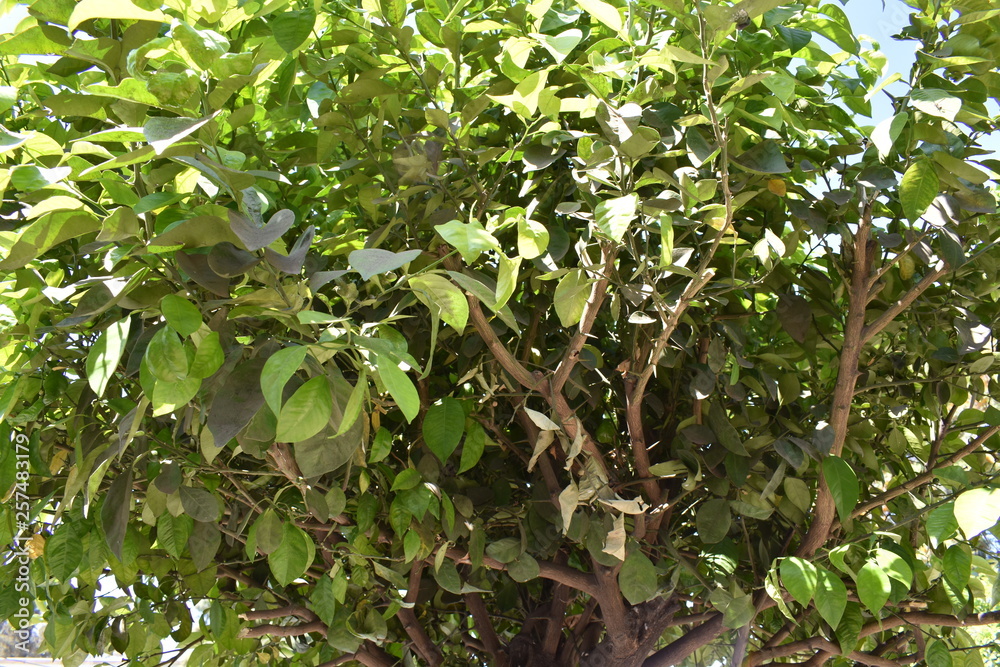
point(581, 581)
point(925, 477)
point(484, 626)
point(824, 646)
point(503, 356)
point(428, 652)
point(847, 378)
point(368, 655)
point(598, 291)
point(902, 304)
point(679, 649)
point(557, 617)
point(281, 612)
point(282, 630)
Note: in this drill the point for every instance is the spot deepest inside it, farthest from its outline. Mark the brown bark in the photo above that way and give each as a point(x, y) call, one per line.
point(484, 626)
point(425, 648)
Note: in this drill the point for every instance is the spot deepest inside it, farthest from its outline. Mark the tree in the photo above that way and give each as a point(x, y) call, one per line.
point(579, 332)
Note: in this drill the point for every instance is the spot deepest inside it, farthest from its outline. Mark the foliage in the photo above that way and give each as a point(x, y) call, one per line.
point(571, 332)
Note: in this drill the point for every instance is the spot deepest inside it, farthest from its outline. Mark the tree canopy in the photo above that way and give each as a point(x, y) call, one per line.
point(460, 332)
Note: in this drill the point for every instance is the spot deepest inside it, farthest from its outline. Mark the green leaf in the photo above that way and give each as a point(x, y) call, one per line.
point(957, 565)
point(523, 568)
point(613, 216)
point(472, 449)
point(373, 261)
point(795, 38)
point(561, 45)
point(46, 233)
point(571, 296)
point(724, 430)
point(203, 544)
point(166, 357)
point(504, 550)
point(941, 523)
point(850, 627)
point(381, 445)
point(182, 315)
point(172, 532)
point(470, 239)
point(255, 237)
point(935, 102)
point(115, 511)
point(306, 412)
point(293, 556)
point(532, 238)
point(527, 93)
point(443, 427)
point(268, 531)
point(977, 510)
point(411, 546)
point(85, 10)
point(407, 479)
point(170, 396)
point(355, 404)
point(894, 566)
point(162, 132)
point(831, 597)
point(506, 281)
point(800, 578)
point(603, 12)
point(291, 29)
point(713, 520)
point(843, 485)
point(448, 578)
point(63, 552)
point(203, 47)
point(278, 369)
point(104, 355)
point(886, 132)
point(937, 654)
point(764, 158)
point(442, 298)
point(208, 357)
point(873, 586)
point(637, 578)
point(199, 504)
point(399, 386)
point(918, 189)
point(739, 612)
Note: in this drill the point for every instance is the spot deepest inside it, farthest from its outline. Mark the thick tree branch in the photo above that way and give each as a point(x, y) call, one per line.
point(484, 626)
point(503, 356)
point(428, 652)
point(847, 378)
point(581, 581)
point(679, 649)
point(368, 655)
point(614, 612)
point(557, 617)
point(281, 612)
point(824, 646)
point(282, 630)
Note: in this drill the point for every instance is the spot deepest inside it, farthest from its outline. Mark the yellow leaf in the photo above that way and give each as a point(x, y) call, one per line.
point(35, 546)
point(906, 267)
